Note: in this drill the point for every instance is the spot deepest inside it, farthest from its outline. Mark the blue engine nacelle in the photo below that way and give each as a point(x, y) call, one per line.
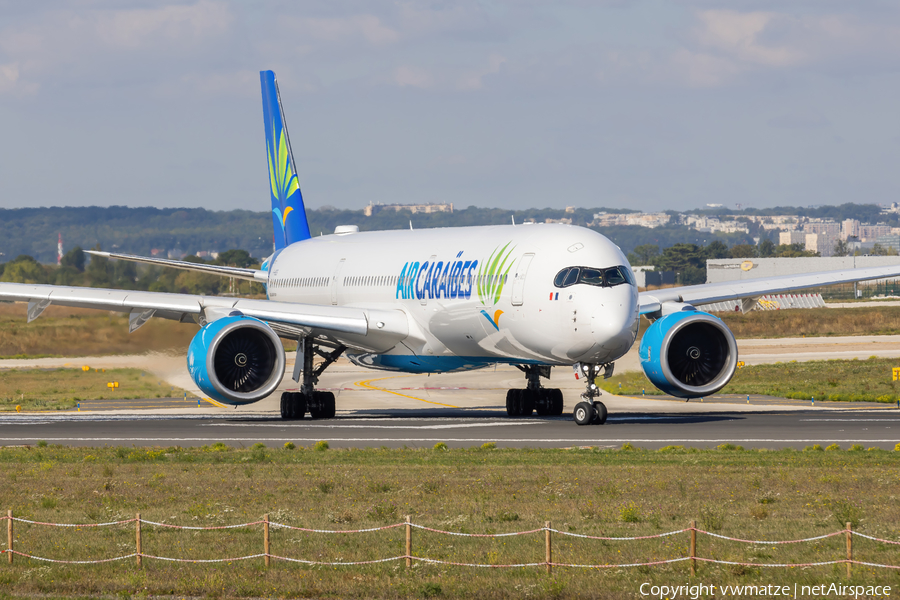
point(689, 354)
point(236, 359)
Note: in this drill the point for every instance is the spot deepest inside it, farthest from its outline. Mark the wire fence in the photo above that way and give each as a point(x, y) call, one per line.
point(548, 563)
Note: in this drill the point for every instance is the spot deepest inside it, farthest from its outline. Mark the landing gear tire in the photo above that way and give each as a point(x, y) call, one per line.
point(322, 405)
point(556, 402)
point(583, 413)
point(529, 399)
point(600, 413)
point(512, 402)
point(549, 402)
point(293, 405)
point(519, 403)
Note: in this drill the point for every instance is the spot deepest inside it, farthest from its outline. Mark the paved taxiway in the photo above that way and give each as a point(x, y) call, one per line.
point(795, 429)
point(467, 409)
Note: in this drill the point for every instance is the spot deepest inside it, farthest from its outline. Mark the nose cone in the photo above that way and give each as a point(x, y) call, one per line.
point(614, 323)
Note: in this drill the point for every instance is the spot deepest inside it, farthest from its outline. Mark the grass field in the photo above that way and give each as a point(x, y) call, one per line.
point(755, 495)
point(64, 331)
point(841, 380)
point(57, 389)
point(817, 322)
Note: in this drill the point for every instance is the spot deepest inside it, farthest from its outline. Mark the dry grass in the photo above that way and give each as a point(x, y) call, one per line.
point(814, 322)
point(837, 380)
point(62, 331)
point(749, 494)
point(59, 389)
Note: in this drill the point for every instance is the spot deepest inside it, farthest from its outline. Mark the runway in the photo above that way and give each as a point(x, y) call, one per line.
point(770, 429)
point(468, 409)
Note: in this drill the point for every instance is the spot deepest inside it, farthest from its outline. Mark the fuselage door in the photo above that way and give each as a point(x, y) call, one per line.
point(518, 288)
point(335, 281)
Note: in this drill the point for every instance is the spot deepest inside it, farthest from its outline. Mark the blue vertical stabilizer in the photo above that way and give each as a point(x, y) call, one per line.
point(288, 212)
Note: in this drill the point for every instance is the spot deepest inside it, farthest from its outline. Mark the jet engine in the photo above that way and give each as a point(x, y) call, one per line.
point(689, 354)
point(236, 359)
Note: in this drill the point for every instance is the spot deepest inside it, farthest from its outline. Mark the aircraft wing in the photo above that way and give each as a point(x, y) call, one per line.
point(370, 330)
point(750, 290)
point(237, 272)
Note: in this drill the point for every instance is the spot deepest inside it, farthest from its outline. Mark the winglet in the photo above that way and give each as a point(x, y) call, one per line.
point(288, 211)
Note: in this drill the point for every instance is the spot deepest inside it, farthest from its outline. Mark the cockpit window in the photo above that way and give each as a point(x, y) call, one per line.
point(591, 276)
point(610, 277)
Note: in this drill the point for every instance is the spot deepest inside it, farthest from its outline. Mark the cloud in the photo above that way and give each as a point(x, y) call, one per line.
point(742, 36)
point(798, 121)
point(448, 77)
point(137, 28)
point(474, 80)
point(85, 44)
point(406, 76)
point(341, 29)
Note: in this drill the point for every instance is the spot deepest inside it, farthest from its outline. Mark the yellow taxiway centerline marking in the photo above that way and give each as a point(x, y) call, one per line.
point(367, 384)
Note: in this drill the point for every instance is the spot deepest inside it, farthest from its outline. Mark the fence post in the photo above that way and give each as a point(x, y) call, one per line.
point(408, 542)
point(548, 548)
point(849, 547)
point(693, 548)
point(266, 536)
point(137, 538)
point(9, 535)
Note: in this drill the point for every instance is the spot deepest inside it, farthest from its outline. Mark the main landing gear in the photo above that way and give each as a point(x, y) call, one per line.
point(546, 401)
point(320, 405)
point(590, 411)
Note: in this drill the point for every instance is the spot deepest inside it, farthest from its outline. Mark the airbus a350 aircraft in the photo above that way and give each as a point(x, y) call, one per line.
point(435, 301)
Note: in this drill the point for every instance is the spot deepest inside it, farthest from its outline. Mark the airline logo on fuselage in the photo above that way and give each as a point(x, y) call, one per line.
point(438, 279)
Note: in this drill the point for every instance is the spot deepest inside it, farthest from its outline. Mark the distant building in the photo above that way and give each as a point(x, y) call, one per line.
point(889, 241)
point(823, 243)
point(565, 221)
point(786, 238)
point(712, 224)
point(872, 232)
point(827, 227)
point(849, 229)
point(650, 220)
point(372, 208)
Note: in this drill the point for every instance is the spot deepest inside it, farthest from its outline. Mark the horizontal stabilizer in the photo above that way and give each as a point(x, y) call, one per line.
point(236, 272)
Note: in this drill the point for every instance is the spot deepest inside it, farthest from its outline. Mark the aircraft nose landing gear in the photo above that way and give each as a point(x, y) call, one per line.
point(590, 411)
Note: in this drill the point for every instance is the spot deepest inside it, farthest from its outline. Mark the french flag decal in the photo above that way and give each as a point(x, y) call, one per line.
point(554, 296)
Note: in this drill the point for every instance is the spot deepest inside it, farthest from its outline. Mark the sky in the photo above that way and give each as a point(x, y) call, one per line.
point(644, 104)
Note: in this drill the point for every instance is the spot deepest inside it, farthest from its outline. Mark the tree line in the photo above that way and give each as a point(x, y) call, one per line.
point(82, 270)
point(33, 231)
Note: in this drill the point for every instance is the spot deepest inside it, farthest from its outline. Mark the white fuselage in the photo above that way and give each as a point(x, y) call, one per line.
point(473, 296)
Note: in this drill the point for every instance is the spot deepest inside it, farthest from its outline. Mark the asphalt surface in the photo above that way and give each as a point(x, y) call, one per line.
point(775, 429)
point(468, 409)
